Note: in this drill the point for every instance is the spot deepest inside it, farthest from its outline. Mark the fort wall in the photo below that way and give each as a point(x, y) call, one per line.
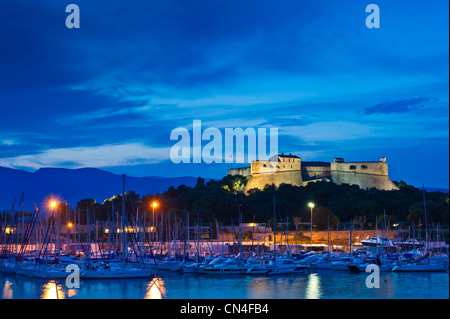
point(315, 172)
point(280, 165)
point(259, 181)
point(365, 181)
point(376, 168)
point(291, 170)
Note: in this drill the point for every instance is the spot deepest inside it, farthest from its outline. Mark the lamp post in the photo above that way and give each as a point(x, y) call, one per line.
point(311, 205)
point(69, 233)
point(154, 205)
point(53, 205)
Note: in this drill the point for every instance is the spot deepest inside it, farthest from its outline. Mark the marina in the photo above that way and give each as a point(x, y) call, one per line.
point(177, 251)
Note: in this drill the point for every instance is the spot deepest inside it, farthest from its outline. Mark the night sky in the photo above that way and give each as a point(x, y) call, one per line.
point(108, 94)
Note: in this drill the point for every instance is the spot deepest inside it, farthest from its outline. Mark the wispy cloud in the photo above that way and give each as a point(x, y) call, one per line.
point(399, 106)
point(9, 142)
point(327, 131)
point(97, 156)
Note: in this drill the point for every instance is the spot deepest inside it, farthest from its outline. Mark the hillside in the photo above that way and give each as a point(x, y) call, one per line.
point(73, 185)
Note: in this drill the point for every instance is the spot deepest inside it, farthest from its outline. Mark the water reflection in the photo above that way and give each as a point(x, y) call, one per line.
point(155, 289)
point(313, 286)
point(52, 290)
point(72, 293)
point(7, 291)
point(183, 286)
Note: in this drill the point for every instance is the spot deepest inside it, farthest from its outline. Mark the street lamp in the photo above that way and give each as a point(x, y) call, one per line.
point(69, 233)
point(154, 205)
point(53, 204)
point(311, 205)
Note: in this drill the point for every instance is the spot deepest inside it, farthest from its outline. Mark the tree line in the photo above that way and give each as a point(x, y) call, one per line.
point(334, 204)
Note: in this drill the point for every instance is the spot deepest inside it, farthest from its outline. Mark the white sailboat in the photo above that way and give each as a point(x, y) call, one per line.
point(283, 266)
point(422, 264)
point(104, 271)
point(231, 266)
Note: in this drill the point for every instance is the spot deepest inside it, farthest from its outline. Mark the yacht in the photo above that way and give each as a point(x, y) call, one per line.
point(256, 266)
point(422, 264)
point(175, 265)
point(362, 265)
point(381, 241)
point(342, 263)
point(231, 266)
point(284, 265)
point(418, 267)
point(104, 271)
point(192, 267)
point(43, 272)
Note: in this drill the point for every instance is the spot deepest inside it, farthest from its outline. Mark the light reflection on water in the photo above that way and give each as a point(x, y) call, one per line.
point(323, 284)
point(155, 289)
point(313, 287)
point(52, 290)
point(7, 291)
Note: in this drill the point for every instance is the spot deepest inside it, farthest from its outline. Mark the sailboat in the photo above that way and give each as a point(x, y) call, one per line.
point(93, 270)
point(421, 264)
point(229, 266)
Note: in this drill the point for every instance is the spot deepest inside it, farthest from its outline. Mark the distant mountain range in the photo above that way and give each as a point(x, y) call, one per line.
point(72, 185)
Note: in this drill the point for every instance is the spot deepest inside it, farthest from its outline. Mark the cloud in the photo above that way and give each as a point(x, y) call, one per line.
point(97, 156)
point(327, 131)
point(9, 142)
point(398, 106)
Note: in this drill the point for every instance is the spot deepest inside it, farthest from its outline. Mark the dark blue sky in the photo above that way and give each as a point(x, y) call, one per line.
point(108, 95)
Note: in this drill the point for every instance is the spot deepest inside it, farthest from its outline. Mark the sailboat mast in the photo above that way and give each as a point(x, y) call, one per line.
point(350, 244)
point(376, 231)
point(274, 231)
point(240, 230)
point(425, 211)
point(124, 252)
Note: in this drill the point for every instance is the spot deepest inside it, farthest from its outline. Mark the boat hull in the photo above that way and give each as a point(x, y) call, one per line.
point(221, 272)
point(121, 274)
point(420, 268)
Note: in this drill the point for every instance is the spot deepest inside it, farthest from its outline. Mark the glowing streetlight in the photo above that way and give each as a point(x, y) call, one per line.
point(53, 204)
point(311, 205)
point(154, 205)
point(70, 225)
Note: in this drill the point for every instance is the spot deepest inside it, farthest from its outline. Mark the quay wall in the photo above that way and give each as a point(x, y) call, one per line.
point(319, 237)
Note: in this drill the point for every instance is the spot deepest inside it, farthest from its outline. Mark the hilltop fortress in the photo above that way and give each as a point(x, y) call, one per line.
point(290, 169)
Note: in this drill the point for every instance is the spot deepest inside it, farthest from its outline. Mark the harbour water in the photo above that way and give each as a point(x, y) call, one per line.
point(168, 285)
